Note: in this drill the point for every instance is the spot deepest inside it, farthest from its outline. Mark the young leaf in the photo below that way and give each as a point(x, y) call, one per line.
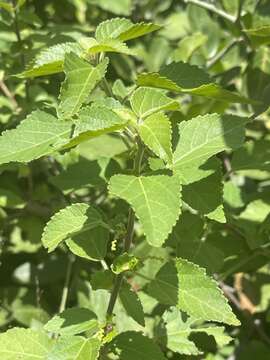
point(146, 101)
point(178, 332)
point(92, 46)
point(68, 222)
point(200, 296)
point(50, 60)
point(123, 29)
point(81, 79)
point(185, 78)
point(26, 344)
point(38, 135)
point(156, 133)
point(205, 136)
point(155, 199)
point(132, 345)
point(75, 348)
point(73, 321)
point(132, 304)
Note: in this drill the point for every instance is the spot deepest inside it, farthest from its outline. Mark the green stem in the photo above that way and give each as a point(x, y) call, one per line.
point(213, 9)
point(130, 231)
point(66, 285)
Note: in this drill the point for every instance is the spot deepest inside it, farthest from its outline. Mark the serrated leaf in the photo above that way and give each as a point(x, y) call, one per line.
point(205, 136)
point(75, 348)
point(123, 29)
point(156, 133)
point(94, 121)
point(108, 45)
point(132, 304)
point(38, 135)
point(132, 345)
point(26, 344)
point(81, 79)
point(184, 78)
point(155, 199)
point(206, 196)
point(178, 332)
point(72, 321)
point(51, 60)
point(146, 101)
point(200, 296)
point(68, 222)
point(164, 287)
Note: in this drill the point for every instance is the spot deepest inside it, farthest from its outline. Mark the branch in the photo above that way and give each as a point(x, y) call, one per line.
point(213, 9)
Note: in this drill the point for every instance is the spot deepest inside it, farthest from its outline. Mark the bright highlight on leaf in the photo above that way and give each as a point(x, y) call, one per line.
point(81, 79)
point(200, 296)
point(156, 133)
point(38, 135)
point(71, 223)
point(155, 199)
point(146, 101)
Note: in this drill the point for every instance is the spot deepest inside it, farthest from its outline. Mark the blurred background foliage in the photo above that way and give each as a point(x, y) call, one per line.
point(235, 51)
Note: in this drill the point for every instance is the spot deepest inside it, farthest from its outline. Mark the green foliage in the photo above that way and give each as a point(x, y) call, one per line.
point(134, 187)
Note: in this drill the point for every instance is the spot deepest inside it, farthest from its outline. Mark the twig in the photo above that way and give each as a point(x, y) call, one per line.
point(129, 235)
point(213, 9)
point(9, 95)
point(223, 52)
point(66, 285)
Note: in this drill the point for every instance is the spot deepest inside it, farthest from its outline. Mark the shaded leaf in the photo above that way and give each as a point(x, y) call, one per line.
point(72, 321)
point(132, 304)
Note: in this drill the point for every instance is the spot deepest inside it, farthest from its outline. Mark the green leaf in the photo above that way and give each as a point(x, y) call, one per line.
point(155, 200)
point(92, 46)
point(206, 196)
point(132, 345)
point(178, 332)
point(200, 296)
point(81, 79)
point(120, 7)
point(164, 287)
point(184, 78)
point(38, 135)
point(156, 133)
point(25, 344)
point(146, 101)
point(51, 60)
point(94, 121)
point(73, 321)
point(123, 29)
point(132, 304)
point(189, 241)
point(205, 136)
point(188, 45)
point(259, 35)
point(68, 222)
point(75, 348)
point(124, 262)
